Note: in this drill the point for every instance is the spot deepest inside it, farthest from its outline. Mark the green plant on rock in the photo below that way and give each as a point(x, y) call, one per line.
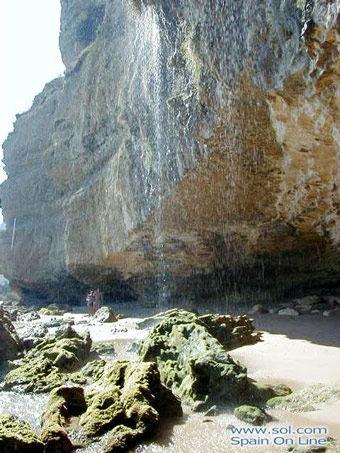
point(50, 364)
point(17, 436)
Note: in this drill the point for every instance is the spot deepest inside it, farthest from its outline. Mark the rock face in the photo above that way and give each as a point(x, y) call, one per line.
point(189, 145)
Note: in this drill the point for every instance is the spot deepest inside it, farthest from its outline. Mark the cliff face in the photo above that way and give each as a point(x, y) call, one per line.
point(192, 147)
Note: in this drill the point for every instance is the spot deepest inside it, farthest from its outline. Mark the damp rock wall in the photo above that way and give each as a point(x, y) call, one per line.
point(191, 150)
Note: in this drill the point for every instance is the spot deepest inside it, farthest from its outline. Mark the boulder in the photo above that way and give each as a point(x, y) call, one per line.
point(308, 399)
point(126, 405)
point(103, 348)
point(288, 312)
point(334, 312)
point(265, 391)
point(105, 314)
point(52, 311)
point(64, 403)
point(252, 414)
point(193, 363)
point(10, 343)
point(56, 440)
point(231, 332)
point(28, 317)
point(17, 436)
point(258, 309)
point(50, 364)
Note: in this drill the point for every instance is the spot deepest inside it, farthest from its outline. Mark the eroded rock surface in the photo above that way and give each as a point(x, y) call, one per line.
point(189, 145)
point(10, 343)
point(17, 436)
point(194, 363)
point(50, 364)
point(127, 402)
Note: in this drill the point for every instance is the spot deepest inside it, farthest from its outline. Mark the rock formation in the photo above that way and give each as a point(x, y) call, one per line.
point(191, 147)
point(10, 344)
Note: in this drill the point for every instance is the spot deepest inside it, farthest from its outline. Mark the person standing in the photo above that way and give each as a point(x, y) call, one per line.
point(90, 302)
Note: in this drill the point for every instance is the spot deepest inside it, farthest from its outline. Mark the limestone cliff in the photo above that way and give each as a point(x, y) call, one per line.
point(190, 147)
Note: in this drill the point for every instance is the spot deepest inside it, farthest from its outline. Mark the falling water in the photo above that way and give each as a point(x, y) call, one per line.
point(148, 52)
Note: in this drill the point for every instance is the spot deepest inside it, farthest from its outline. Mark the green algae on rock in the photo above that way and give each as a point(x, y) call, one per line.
point(193, 363)
point(232, 332)
point(10, 343)
point(103, 348)
point(51, 364)
point(263, 391)
point(308, 399)
point(17, 436)
point(127, 402)
point(252, 414)
point(130, 394)
point(64, 403)
point(94, 369)
point(52, 311)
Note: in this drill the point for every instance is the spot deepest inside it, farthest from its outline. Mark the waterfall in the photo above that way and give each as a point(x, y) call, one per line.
point(148, 70)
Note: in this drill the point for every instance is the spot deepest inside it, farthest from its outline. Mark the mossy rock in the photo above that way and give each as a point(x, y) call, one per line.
point(50, 364)
point(129, 392)
point(332, 446)
point(63, 404)
point(127, 404)
point(52, 311)
point(264, 392)
point(252, 414)
point(94, 369)
point(194, 363)
point(103, 348)
point(17, 436)
point(308, 399)
point(56, 440)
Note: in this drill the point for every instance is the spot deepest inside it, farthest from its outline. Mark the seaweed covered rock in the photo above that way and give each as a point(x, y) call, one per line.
point(263, 392)
point(94, 369)
point(17, 436)
point(64, 403)
point(308, 399)
point(10, 343)
point(127, 403)
point(232, 332)
point(194, 363)
point(50, 364)
point(252, 414)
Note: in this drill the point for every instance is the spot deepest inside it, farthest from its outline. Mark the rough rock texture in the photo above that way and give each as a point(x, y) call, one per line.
point(194, 364)
point(188, 142)
point(105, 314)
point(64, 403)
point(252, 414)
point(10, 343)
point(50, 364)
point(309, 399)
point(17, 436)
point(127, 403)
